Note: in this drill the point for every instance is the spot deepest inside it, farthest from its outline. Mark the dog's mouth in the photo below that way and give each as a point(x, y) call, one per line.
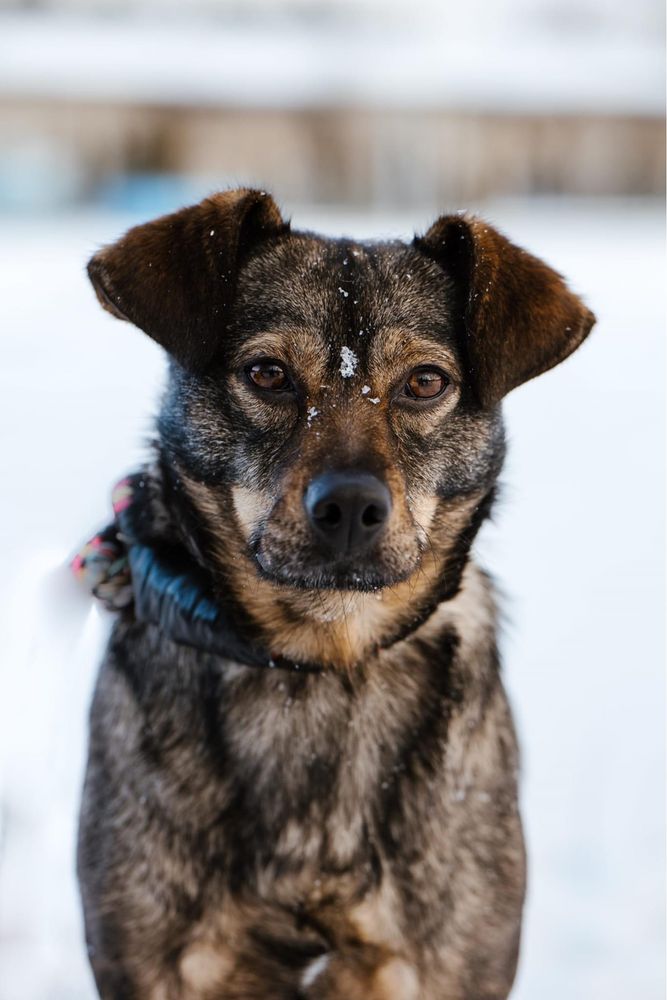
point(364, 575)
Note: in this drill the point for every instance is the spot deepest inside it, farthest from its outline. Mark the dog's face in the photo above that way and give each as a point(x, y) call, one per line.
point(341, 396)
point(337, 413)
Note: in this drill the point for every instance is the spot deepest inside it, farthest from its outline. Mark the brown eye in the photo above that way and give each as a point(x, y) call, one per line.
point(268, 375)
point(425, 383)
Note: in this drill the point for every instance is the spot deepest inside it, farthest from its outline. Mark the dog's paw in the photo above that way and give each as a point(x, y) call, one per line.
point(336, 976)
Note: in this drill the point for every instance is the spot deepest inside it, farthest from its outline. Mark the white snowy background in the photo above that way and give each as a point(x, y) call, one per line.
point(576, 546)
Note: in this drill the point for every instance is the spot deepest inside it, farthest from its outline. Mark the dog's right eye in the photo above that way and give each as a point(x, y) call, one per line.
point(268, 375)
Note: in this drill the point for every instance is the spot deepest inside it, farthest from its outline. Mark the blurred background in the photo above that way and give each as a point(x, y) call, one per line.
point(132, 104)
point(364, 117)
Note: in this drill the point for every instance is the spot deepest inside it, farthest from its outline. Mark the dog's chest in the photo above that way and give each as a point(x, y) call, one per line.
point(318, 759)
point(289, 817)
point(320, 768)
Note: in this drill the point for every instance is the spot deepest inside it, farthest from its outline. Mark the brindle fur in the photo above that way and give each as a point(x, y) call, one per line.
point(252, 833)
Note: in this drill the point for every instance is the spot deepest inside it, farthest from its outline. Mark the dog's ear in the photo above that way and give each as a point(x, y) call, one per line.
point(175, 277)
point(519, 317)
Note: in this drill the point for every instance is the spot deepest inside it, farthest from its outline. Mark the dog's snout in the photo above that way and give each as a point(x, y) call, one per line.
point(347, 510)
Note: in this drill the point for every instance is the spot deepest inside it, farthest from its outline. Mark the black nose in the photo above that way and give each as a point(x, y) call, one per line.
point(347, 510)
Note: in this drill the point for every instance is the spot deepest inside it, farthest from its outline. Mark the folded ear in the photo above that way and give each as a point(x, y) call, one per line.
point(175, 277)
point(520, 319)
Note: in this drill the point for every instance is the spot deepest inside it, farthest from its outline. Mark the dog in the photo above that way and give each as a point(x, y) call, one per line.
point(302, 773)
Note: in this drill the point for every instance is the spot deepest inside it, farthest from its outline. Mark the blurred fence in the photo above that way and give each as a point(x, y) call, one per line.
point(367, 105)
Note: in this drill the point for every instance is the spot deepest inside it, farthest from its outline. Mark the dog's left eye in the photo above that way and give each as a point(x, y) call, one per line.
point(425, 383)
point(268, 375)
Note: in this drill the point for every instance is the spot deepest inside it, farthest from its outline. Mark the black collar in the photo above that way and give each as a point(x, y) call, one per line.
point(175, 596)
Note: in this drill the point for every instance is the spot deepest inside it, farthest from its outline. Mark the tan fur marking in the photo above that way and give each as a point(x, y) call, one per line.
point(396, 353)
point(423, 511)
point(396, 980)
point(374, 919)
point(159, 992)
point(202, 967)
point(472, 613)
point(302, 349)
point(251, 508)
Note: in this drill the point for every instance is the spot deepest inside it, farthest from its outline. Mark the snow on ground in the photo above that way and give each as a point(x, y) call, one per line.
point(577, 547)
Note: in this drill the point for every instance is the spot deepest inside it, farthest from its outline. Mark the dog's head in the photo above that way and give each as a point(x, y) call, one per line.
point(337, 402)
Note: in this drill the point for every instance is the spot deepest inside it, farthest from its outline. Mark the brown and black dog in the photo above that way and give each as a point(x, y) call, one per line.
point(339, 820)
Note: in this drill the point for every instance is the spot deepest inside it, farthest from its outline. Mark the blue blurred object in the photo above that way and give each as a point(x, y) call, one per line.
point(149, 194)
